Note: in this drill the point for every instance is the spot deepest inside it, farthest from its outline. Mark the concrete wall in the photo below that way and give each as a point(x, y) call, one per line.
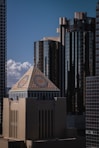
point(58, 106)
point(36, 119)
point(3, 143)
point(6, 104)
point(31, 119)
point(32, 122)
point(14, 105)
point(16, 144)
point(22, 119)
point(60, 143)
point(60, 117)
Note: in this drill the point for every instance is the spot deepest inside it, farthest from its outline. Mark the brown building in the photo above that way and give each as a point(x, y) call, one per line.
point(33, 111)
point(28, 118)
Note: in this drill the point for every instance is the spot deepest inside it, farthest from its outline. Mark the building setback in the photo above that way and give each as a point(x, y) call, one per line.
point(2, 57)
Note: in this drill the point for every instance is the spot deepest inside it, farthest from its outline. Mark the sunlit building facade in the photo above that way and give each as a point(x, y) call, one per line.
point(2, 57)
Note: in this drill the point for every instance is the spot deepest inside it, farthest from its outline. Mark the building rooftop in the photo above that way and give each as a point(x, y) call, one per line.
point(34, 80)
point(51, 38)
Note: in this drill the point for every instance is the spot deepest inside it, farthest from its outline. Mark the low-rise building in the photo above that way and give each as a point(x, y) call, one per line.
point(34, 110)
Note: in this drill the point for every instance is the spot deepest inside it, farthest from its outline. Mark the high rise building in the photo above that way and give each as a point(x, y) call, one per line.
point(46, 58)
point(67, 62)
point(77, 37)
point(2, 57)
point(92, 112)
point(97, 39)
point(62, 30)
point(92, 98)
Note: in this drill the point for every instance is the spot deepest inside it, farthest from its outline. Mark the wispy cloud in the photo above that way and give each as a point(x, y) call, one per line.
point(15, 70)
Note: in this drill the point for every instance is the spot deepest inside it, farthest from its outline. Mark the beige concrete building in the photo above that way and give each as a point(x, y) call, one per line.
point(34, 84)
point(34, 111)
point(7, 143)
point(28, 118)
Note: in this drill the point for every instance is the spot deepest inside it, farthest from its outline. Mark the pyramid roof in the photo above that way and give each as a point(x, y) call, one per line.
point(34, 80)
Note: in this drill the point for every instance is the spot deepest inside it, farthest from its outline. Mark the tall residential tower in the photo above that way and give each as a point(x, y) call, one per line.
point(2, 57)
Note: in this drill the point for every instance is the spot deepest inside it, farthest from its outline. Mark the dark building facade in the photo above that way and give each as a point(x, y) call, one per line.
point(79, 58)
point(2, 56)
point(62, 29)
point(46, 58)
point(92, 112)
point(92, 97)
point(68, 61)
point(97, 39)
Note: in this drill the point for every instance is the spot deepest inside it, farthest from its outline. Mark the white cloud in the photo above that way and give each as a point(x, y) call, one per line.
point(15, 70)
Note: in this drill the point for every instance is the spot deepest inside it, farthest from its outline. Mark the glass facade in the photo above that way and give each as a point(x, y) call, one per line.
point(46, 58)
point(67, 63)
point(2, 57)
point(38, 54)
point(79, 60)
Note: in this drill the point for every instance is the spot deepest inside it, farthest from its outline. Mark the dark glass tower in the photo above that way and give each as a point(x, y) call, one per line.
point(46, 55)
point(68, 65)
point(79, 59)
point(2, 57)
point(62, 29)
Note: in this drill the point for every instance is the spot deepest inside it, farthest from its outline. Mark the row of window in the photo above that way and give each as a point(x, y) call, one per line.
point(38, 95)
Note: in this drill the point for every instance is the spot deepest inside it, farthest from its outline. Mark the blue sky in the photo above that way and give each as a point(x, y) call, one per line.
point(31, 20)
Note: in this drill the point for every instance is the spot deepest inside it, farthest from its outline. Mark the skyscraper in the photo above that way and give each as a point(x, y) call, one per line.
point(2, 57)
point(78, 57)
point(62, 29)
point(97, 39)
point(67, 62)
point(92, 97)
point(92, 112)
point(46, 58)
